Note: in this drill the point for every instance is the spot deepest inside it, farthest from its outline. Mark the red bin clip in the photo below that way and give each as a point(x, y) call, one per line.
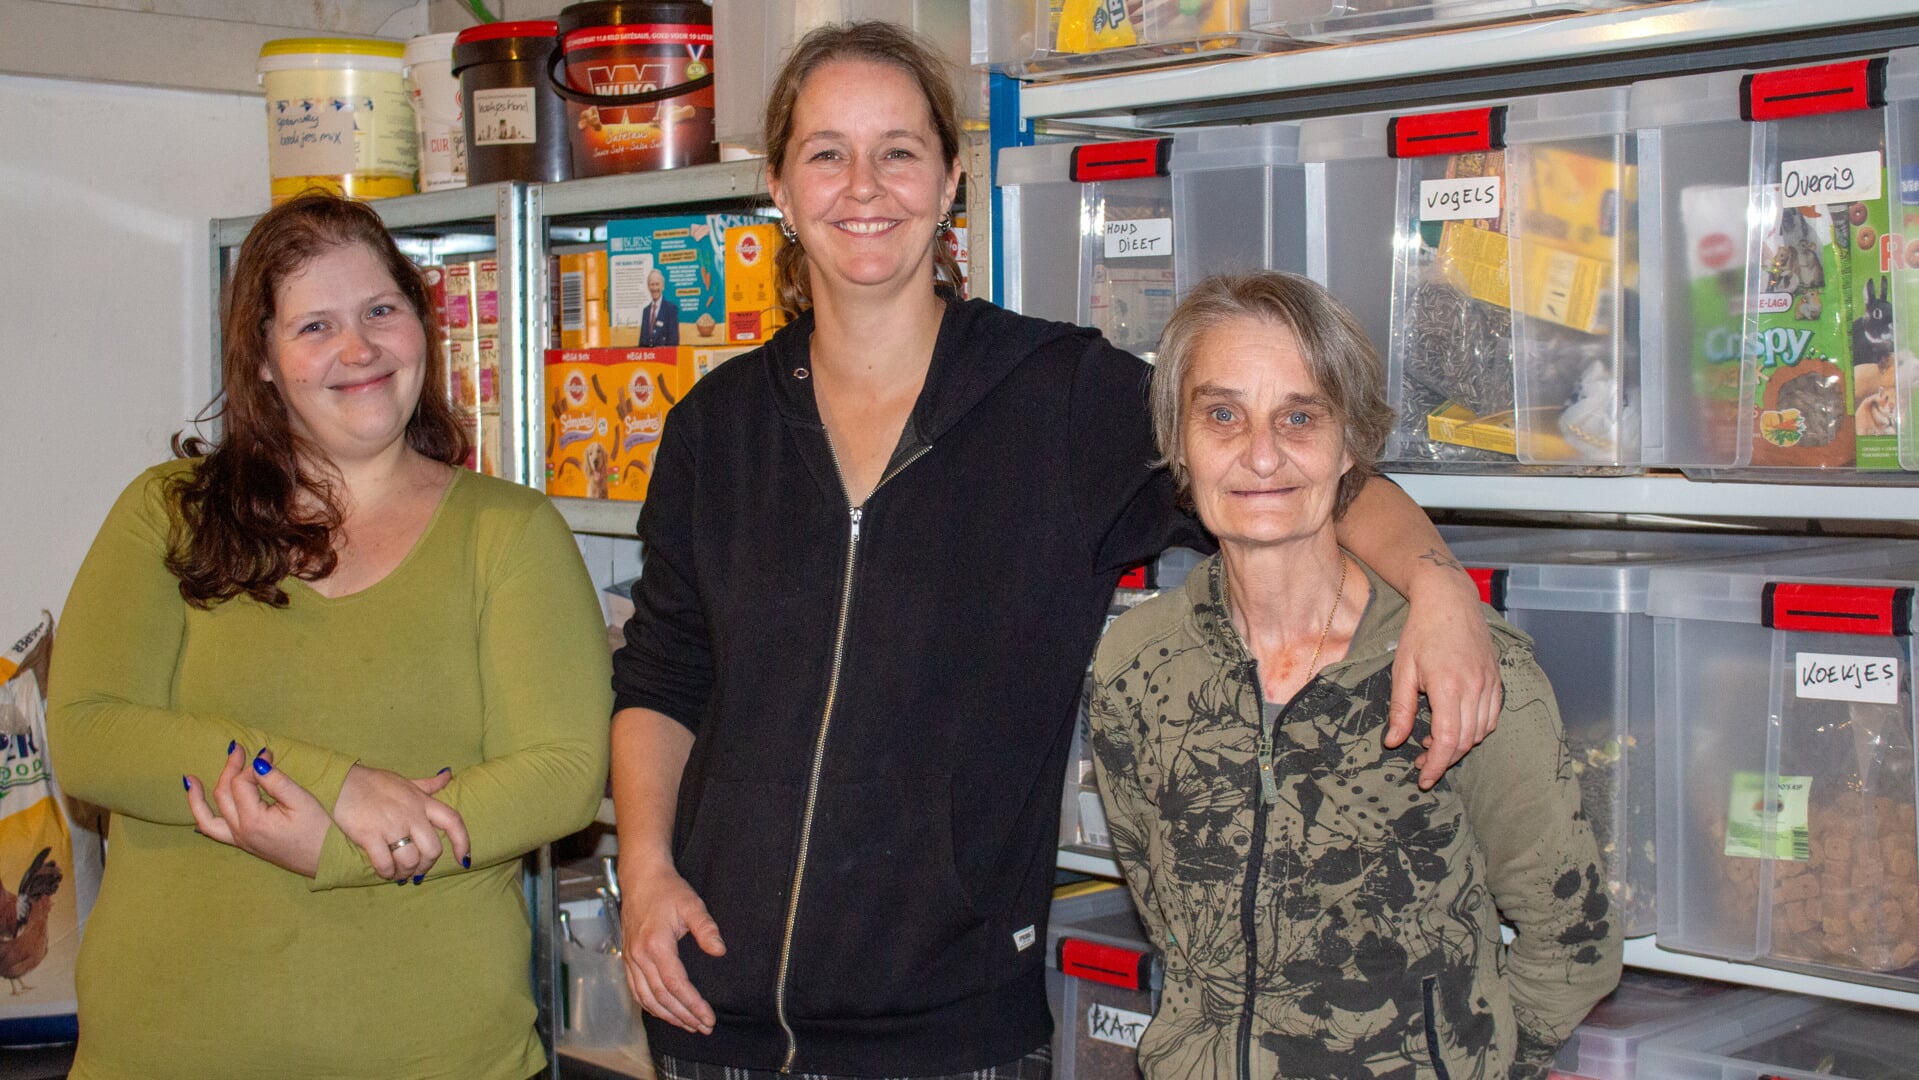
point(1813, 91)
point(1463, 132)
point(1128, 969)
point(1135, 159)
point(1879, 610)
point(1492, 585)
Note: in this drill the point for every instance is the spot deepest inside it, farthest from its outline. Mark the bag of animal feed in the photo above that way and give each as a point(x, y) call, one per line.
point(50, 858)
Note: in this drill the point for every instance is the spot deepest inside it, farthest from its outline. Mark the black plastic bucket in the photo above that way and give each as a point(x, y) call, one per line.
point(638, 83)
point(515, 124)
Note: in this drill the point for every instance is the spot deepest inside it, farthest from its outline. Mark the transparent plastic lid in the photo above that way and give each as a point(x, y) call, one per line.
point(1605, 570)
point(1733, 590)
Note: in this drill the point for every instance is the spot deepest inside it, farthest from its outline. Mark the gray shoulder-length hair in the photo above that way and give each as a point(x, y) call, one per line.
point(1341, 359)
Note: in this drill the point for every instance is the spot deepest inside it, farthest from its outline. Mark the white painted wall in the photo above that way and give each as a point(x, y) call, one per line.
point(105, 195)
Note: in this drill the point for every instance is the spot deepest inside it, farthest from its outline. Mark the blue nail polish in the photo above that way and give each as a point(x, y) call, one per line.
point(230, 746)
point(417, 878)
point(466, 862)
point(402, 881)
point(260, 766)
point(444, 770)
point(185, 783)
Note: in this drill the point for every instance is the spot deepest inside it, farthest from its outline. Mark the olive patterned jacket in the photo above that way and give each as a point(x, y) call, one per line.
point(1369, 909)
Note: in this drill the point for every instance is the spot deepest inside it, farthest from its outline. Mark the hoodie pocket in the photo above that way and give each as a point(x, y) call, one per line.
point(739, 858)
point(885, 925)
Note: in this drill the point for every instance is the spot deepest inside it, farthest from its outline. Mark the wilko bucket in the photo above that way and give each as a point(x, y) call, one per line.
point(638, 83)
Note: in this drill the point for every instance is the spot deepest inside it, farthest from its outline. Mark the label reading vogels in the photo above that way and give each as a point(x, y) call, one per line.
point(1870, 680)
point(1139, 238)
point(1469, 199)
point(1117, 1026)
point(1838, 178)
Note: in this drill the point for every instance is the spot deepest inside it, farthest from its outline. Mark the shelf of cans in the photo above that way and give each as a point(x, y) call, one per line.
point(1714, 273)
point(1739, 713)
point(1041, 38)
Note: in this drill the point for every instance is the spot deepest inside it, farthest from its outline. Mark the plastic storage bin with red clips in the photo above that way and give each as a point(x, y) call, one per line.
point(1239, 202)
point(1582, 596)
point(1778, 269)
point(1345, 20)
point(1784, 715)
point(1787, 1038)
point(1102, 983)
point(1031, 38)
point(1645, 1006)
point(1500, 302)
point(1093, 225)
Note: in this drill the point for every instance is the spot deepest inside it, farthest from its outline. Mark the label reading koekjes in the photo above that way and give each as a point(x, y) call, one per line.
point(1838, 178)
point(1139, 238)
point(1470, 199)
point(1870, 680)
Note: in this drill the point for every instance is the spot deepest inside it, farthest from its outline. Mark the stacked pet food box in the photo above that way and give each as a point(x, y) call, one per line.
point(466, 301)
point(638, 320)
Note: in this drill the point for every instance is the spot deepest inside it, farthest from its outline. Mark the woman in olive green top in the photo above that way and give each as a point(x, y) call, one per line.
point(364, 665)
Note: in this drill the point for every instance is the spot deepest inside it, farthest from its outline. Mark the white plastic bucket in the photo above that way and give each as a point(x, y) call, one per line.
point(337, 117)
point(438, 113)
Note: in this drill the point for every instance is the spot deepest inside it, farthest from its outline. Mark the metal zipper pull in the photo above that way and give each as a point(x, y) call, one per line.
point(1268, 787)
point(855, 513)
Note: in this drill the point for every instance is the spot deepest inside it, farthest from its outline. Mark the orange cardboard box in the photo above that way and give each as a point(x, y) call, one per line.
point(606, 409)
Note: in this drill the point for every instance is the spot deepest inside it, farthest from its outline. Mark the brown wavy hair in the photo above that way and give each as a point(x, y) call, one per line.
point(881, 43)
point(263, 504)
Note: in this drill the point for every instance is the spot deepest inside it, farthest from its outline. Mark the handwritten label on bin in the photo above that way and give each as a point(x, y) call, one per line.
point(1872, 680)
point(1117, 1026)
point(1838, 178)
point(1468, 199)
point(1139, 238)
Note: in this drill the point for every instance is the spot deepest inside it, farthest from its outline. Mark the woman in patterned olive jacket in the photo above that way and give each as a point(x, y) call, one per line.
point(1319, 914)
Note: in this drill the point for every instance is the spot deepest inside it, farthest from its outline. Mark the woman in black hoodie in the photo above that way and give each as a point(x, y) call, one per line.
point(878, 553)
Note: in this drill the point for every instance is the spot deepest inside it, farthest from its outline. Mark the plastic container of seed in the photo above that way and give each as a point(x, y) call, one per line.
point(1779, 320)
point(1416, 222)
point(1093, 225)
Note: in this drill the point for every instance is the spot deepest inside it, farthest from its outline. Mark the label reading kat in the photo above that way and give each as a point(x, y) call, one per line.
point(1838, 178)
point(1116, 1026)
point(1871, 680)
point(1472, 198)
point(1769, 825)
point(1139, 238)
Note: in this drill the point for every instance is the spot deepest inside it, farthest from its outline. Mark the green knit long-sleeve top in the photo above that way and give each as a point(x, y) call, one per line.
point(483, 651)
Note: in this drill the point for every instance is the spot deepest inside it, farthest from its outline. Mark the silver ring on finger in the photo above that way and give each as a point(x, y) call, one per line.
point(400, 843)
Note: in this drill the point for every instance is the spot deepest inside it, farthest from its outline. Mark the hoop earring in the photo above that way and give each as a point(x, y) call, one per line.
point(945, 223)
point(786, 229)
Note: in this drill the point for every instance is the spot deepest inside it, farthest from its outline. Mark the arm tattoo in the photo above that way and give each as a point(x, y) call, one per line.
point(1443, 560)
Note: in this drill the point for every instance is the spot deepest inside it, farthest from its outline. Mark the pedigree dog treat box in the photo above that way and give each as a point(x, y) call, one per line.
point(684, 258)
point(753, 308)
point(606, 409)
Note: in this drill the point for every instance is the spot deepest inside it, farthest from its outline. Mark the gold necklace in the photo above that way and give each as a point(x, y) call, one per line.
point(1312, 666)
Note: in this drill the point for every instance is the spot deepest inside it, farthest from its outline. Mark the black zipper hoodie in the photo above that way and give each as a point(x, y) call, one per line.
point(882, 696)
